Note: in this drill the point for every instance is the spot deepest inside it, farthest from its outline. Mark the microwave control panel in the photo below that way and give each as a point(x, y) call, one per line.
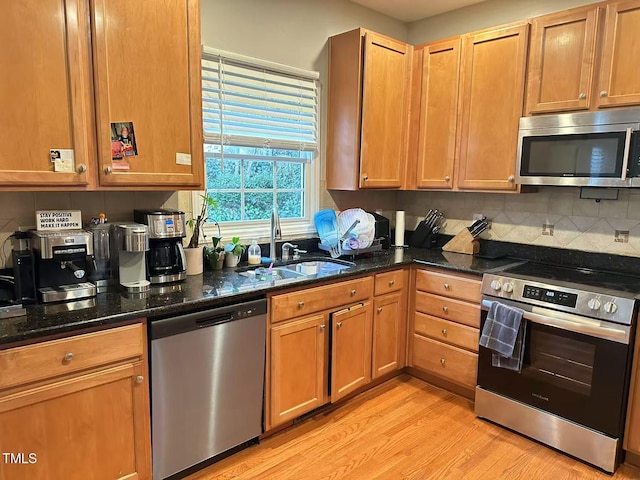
point(550, 296)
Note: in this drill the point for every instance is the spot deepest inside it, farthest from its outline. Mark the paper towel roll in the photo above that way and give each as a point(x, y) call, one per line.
point(399, 228)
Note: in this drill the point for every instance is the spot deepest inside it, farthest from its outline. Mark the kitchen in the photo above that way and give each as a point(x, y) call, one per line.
point(577, 223)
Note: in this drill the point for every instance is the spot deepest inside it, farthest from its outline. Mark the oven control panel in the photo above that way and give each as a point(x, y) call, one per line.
point(550, 296)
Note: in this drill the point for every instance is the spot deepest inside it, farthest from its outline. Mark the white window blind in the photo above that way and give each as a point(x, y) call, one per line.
point(258, 104)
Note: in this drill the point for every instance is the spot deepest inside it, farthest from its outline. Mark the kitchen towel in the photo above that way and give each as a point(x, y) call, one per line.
point(503, 333)
point(399, 228)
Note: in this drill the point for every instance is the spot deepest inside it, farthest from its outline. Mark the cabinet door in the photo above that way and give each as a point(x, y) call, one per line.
point(351, 350)
point(389, 318)
point(93, 426)
point(147, 71)
point(619, 71)
point(45, 93)
point(493, 71)
point(438, 114)
point(298, 372)
point(563, 50)
point(632, 427)
point(385, 112)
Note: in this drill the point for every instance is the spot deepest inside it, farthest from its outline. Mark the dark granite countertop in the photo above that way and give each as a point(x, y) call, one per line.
point(211, 289)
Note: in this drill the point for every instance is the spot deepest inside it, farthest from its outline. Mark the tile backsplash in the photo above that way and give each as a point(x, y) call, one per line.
point(17, 209)
point(554, 217)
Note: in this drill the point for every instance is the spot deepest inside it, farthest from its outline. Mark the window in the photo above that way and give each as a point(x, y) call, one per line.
point(261, 138)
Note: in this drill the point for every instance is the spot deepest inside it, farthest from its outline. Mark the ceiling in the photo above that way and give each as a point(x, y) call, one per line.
point(411, 10)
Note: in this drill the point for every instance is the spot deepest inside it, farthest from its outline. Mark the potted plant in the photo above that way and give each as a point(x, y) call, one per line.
point(214, 255)
point(194, 251)
point(233, 252)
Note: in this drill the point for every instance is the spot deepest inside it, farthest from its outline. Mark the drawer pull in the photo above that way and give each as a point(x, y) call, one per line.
point(445, 309)
point(443, 361)
point(446, 286)
point(353, 292)
point(322, 327)
point(444, 332)
point(67, 358)
point(379, 309)
point(300, 304)
point(339, 324)
point(392, 283)
point(139, 379)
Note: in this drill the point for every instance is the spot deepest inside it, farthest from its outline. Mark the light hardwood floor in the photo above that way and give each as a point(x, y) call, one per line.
point(402, 429)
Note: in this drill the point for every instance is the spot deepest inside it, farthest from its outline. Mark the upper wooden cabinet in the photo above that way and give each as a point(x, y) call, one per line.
point(561, 62)
point(147, 71)
point(438, 113)
point(492, 97)
point(368, 111)
point(45, 92)
point(77, 66)
point(619, 83)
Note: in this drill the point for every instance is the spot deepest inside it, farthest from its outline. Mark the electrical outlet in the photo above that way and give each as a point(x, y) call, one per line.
point(621, 236)
point(547, 229)
point(477, 216)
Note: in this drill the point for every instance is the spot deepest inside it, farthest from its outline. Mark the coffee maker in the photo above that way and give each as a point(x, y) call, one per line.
point(63, 263)
point(166, 260)
point(129, 244)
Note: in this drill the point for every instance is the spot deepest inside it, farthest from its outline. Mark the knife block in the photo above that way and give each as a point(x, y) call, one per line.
point(463, 242)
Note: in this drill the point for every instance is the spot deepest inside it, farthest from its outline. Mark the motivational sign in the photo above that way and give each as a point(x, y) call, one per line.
point(58, 219)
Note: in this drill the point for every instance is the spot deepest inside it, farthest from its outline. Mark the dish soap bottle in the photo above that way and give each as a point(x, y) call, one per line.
point(254, 253)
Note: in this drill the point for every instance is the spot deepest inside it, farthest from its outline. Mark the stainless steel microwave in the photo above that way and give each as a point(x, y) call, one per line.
point(595, 149)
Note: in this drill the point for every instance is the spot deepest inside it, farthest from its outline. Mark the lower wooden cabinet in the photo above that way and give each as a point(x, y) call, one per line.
point(298, 367)
point(452, 363)
point(351, 350)
point(93, 424)
point(389, 320)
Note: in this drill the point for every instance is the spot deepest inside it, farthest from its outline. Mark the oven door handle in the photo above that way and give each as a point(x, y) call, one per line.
point(592, 328)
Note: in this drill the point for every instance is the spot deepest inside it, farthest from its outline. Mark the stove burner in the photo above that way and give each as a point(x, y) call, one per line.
point(580, 276)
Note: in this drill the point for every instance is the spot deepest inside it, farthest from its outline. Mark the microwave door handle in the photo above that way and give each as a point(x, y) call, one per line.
point(625, 155)
point(590, 328)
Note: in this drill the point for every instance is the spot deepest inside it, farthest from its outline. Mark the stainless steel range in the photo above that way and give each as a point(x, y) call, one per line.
point(572, 389)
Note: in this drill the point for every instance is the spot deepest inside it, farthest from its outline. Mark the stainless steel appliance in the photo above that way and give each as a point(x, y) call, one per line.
point(129, 244)
point(63, 261)
point(383, 230)
point(598, 149)
point(166, 261)
point(571, 392)
point(207, 384)
point(102, 276)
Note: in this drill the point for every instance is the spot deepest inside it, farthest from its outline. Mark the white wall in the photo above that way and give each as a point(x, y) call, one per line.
point(484, 15)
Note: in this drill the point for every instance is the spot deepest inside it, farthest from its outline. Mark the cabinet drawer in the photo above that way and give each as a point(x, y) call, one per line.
point(455, 286)
point(448, 308)
point(31, 363)
point(389, 282)
point(446, 331)
point(304, 302)
point(452, 363)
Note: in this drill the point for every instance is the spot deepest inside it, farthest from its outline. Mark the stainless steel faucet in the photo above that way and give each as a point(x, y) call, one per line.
point(274, 234)
point(286, 251)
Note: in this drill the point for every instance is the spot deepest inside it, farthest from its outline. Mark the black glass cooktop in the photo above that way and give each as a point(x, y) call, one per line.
point(580, 276)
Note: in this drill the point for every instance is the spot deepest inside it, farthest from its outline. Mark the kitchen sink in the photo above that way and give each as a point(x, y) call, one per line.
point(297, 270)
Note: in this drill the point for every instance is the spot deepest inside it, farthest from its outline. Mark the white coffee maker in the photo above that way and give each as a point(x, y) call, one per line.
point(128, 252)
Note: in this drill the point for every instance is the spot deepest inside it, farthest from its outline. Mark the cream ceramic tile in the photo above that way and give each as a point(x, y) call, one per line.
point(622, 223)
point(583, 223)
point(52, 200)
point(495, 201)
point(501, 226)
point(583, 243)
point(560, 202)
point(615, 208)
point(634, 238)
point(172, 202)
point(585, 208)
point(146, 200)
point(525, 233)
point(564, 231)
point(600, 234)
point(90, 203)
point(617, 248)
point(17, 204)
point(474, 201)
point(547, 241)
point(518, 202)
point(119, 205)
point(517, 218)
point(184, 202)
point(633, 208)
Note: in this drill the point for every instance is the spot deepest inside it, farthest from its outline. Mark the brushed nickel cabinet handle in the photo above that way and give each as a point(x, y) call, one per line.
point(67, 358)
point(353, 292)
point(444, 332)
point(443, 361)
point(365, 177)
point(108, 170)
point(300, 304)
point(447, 178)
point(82, 168)
point(446, 286)
point(379, 309)
point(603, 93)
point(139, 379)
point(322, 327)
point(582, 96)
point(339, 324)
point(445, 309)
point(392, 283)
point(511, 179)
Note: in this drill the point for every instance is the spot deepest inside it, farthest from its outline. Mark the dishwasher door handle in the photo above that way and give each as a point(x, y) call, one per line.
point(211, 321)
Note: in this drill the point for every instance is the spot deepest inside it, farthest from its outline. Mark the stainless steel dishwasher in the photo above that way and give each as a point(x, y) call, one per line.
point(207, 381)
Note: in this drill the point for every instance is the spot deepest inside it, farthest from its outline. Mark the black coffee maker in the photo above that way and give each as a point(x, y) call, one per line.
point(166, 261)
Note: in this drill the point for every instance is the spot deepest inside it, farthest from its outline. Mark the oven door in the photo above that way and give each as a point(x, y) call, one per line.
point(573, 366)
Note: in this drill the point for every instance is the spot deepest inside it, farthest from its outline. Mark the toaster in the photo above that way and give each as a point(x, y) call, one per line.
point(383, 230)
